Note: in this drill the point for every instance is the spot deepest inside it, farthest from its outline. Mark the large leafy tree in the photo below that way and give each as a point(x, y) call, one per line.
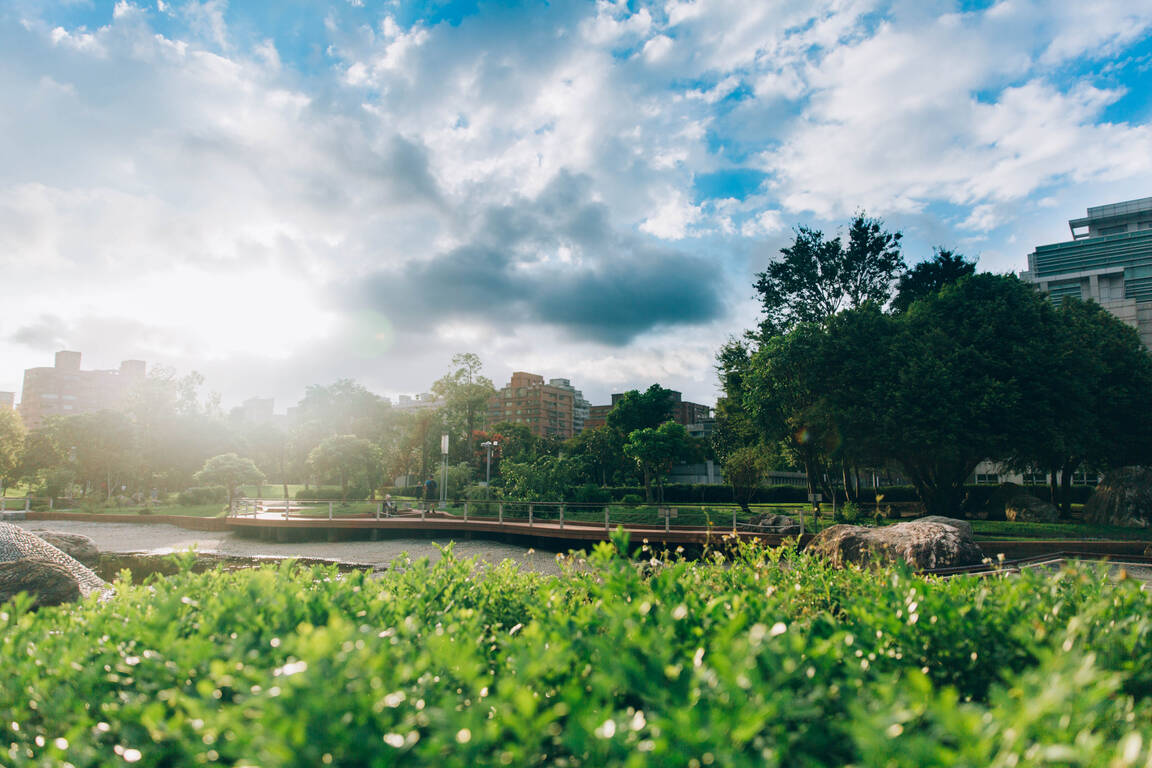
point(603, 451)
point(641, 410)
point(345, 458)
point(231, 471)
point(12, 435)
point(818, 277)
point(929, 277)
point(656, 450)
point(1096, 398)
point(955, 380)
point(465, 393)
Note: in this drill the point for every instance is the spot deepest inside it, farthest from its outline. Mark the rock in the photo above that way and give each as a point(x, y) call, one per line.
point(930, 542)
point(1124, 497)
point(73, 544)
point(1026, 508)
point(781, 524)
point(48, 583)
point(20, 549)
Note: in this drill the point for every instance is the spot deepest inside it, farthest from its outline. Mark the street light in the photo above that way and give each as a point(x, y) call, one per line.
point(489, 444)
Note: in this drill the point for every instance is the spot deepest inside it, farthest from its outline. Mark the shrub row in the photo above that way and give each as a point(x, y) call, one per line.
point(737, 663)
point(201, 495)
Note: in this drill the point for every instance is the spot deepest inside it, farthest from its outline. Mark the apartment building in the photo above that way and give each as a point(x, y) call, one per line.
point(545, 409)
point(580, 406)
point(1108, 260)
point(64, 389)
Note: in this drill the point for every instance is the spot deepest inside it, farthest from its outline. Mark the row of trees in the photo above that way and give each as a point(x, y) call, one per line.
point(339, 434)
point(861, 364)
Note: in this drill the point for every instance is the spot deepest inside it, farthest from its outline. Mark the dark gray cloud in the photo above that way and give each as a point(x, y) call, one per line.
point(46, 333)
point(556, 260)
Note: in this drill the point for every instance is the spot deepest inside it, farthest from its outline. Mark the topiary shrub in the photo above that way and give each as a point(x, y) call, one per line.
point(199, 495)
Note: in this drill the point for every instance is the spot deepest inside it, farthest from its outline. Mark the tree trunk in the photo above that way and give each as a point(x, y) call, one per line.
point(1053, 493)
point(1068, 470)
point(647, 485)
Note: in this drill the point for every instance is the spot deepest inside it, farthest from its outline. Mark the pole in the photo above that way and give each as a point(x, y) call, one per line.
point(561, 515)
point(329, 510)
point(500, 512)
point(444, 471)
point(606, 529)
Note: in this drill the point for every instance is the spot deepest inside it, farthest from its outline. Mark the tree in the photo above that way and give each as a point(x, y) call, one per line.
point(744, 470)
point(465, 393)
point(603, 449)
point(344, 457)
point(656, 450)
point(641, 410)
point(955, 380)
point(342, 408)
point(1099, 383)
point(101, 446)
point(928, 277)
point(230, 471)
point(818, 278)
point(12, 435)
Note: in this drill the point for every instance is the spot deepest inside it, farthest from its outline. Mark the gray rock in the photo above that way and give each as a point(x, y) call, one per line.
point(930, 542)
point(48, 583)
point(1124, 497)
point(73, 544)
point(19, 548)
point(1026, 508)
point(781, 524)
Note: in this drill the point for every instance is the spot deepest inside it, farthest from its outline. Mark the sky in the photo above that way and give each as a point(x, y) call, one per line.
point(285, 193)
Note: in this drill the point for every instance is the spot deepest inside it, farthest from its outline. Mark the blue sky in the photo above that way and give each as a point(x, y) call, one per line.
point(284, 193)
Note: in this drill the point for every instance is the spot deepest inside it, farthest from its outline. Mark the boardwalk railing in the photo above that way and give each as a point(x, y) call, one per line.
point(554, 514)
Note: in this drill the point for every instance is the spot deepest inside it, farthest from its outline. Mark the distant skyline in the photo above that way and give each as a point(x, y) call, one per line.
point(279, 194)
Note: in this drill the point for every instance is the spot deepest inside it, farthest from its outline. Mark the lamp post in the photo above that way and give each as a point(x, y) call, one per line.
point(444, 471)
point(489, 444)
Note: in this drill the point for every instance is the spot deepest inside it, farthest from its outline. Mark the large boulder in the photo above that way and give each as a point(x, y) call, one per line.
point(1026, 508)
point(47, 582)
point(73, 544)
point(779, 524)
point(23, 551)
point(930, 542)
point(1014, 503)
point(1124, 497)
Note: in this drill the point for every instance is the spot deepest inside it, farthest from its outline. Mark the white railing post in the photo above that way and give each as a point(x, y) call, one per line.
point(561, 515)
point(27, 503)
point(733, 519)
point(329, 510)
point(287, 508)
point(380, 511)
point(3, 504)
point(667, 519)
point(51, 503)
point(500, 512)
point(529, 515)
point(465, 510)
point(423, 511)
point(606, 528)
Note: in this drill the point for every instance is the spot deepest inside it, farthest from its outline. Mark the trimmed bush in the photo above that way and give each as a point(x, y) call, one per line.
point(201, 495)
point(355, 493)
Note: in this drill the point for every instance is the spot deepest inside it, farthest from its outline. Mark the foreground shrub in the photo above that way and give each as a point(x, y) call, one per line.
point(747, 662)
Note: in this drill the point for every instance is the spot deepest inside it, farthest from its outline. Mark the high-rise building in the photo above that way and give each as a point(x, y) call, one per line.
point(419, 402)
point(580, 406)
point(545, 409)
point(64, 389)
point(1108, 260)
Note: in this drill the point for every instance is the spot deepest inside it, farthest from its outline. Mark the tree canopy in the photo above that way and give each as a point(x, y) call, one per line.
point(928, 277)
point(819, 277)
point(641, 410)
point(230, 471)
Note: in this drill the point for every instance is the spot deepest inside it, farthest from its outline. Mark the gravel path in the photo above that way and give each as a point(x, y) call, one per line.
point(159, 539)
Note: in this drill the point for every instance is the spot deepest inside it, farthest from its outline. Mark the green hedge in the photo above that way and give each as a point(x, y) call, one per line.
point(332, 494)
point(201, 495)
point(738, 663)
